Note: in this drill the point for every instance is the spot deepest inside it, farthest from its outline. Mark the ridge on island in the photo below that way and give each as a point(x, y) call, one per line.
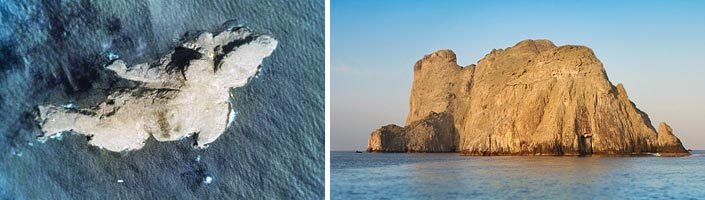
point(186, 92)
point(530, 99)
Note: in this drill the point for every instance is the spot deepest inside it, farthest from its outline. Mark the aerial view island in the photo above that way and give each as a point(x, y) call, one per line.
point(169, 99)
point(530, 99)
point(159, 99)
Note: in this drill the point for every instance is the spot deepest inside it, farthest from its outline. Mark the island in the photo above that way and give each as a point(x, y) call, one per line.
point(530, 99)
point(185, 93)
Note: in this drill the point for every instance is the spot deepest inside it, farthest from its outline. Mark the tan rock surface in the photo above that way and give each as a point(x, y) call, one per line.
point(187, 92)
point(534, 99)
point(669, 144)
point(434, 133)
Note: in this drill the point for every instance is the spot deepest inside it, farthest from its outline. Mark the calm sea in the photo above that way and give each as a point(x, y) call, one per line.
point(274, 150)
point(449, 176)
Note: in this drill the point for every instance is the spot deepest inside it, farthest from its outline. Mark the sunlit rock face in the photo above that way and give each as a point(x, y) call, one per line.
point(530, 99)
point(669, 144)
point(184, 93)
point(435, 133)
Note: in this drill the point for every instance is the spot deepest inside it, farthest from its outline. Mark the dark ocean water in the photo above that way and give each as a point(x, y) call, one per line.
point(52, 51)
point(449, 176)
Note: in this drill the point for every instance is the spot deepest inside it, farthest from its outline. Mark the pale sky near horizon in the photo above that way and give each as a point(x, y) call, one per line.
point(655, 48)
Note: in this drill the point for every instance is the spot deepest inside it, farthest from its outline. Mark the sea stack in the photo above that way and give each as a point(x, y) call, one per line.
point(530, 99)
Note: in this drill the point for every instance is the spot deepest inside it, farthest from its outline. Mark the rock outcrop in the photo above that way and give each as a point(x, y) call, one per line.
point(530, 99)
point(185, 93)
point(435, 133)
point(669, 144)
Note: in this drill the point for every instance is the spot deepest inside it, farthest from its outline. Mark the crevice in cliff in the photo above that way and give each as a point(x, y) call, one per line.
point(181, 59)
point(222, 51)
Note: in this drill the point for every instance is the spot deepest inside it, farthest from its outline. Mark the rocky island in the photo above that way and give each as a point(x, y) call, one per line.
point(530, 99)
point(185, 93)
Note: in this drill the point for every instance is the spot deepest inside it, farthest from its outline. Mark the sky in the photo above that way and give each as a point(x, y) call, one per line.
point(655, 48)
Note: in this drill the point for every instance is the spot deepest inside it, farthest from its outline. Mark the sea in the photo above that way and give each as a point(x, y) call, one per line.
point(450, 176)
point(52, 52)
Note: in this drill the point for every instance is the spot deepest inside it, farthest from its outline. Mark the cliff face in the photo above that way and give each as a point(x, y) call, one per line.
point(532, 99)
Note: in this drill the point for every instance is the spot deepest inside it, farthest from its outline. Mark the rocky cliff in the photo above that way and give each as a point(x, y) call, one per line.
point(530, 99)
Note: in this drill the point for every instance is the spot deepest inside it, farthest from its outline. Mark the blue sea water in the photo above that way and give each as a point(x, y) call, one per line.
point(51, 51)
point(449, 176)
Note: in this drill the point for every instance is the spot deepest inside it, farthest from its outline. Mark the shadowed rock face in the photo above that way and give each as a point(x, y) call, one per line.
point(184, 93)
point(530, 99)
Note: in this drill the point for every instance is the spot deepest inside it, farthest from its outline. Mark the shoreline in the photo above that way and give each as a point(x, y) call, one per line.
point(537, 154)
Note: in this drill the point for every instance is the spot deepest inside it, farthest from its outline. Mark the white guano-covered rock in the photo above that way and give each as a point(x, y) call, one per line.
point(185, 93)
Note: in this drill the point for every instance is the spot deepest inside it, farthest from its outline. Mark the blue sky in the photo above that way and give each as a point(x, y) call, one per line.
point(655, 48)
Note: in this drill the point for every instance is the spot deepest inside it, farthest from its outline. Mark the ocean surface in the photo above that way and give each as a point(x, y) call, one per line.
point(53, 51)
point(449, 176)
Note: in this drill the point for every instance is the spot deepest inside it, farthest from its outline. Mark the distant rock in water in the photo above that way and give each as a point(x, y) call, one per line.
point(669, 144)
point(530, 99)
point(186, 92)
